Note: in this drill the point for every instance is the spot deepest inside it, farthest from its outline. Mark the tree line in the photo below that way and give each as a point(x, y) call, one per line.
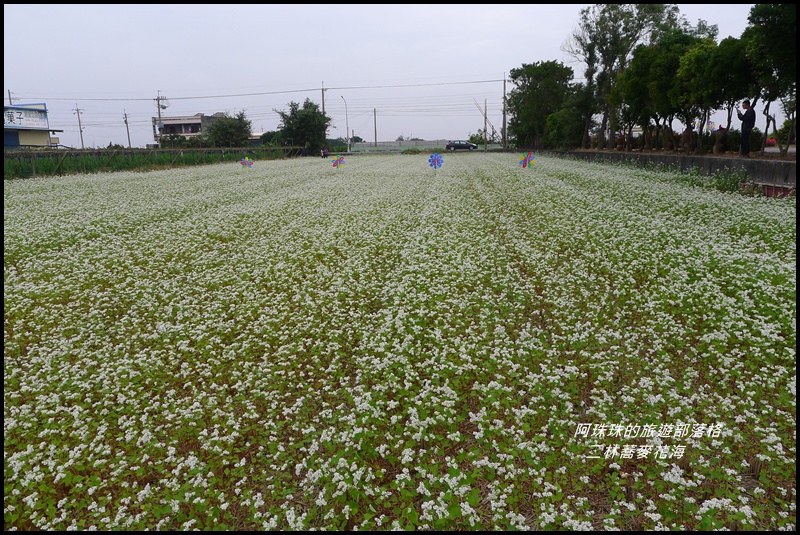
point(646, 67)
point(301, 126)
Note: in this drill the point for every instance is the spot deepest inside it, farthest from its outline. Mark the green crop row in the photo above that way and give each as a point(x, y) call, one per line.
point(27, 164)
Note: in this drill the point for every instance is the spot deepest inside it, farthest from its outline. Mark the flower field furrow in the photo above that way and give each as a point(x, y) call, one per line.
point(386, 345)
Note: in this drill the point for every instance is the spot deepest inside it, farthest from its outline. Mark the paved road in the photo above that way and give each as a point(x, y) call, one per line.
point(792, 149)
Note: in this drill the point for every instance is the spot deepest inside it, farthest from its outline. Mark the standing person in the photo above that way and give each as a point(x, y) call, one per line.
point(748, 119)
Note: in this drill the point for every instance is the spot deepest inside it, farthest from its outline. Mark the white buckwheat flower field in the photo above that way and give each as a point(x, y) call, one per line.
point(390, 345)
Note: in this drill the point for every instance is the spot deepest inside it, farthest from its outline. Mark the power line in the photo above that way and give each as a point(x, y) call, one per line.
point(415, 85)
point(269, 92)
point(172, 98)
point(445, 104)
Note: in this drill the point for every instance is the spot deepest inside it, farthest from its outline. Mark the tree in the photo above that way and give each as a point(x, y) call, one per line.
point(730, 74)
point(229, 131)
point(693, 91)
point(565, 127)
point(173, 141)
point(665, 95)
point(481, 138)
point(541, 89)
point(605, 39)
point(696, 94)
point(340, 143)
point(582, 45)
point(304, 127)
point(633, 91)
point(772, 44)
point(771, 41)
point(273, 138)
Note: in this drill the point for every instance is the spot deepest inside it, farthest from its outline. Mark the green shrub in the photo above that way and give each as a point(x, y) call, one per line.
point(26, 164)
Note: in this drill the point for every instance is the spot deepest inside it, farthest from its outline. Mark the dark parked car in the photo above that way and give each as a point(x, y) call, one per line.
point(457, 144)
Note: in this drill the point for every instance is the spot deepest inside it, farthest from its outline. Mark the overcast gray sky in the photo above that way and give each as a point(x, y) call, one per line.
point(414, 70)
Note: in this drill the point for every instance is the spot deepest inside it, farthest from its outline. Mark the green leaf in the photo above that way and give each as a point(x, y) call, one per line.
point(455, 510)
point(474, 497)
point(412, 516)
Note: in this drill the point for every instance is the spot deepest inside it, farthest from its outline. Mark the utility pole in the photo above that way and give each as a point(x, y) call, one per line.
point(9, 98)
point(126, 127)
point(375, 120)
point(346, 124)
point(323, 97)
point(485, 120)
point(78, 112)
point(159, 107)
point(505, 138)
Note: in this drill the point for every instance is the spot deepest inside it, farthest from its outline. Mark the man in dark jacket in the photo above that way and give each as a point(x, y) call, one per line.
point(748, 119)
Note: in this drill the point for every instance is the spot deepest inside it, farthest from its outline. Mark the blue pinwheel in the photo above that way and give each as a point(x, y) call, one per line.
point(435, 160)
point(526, 159)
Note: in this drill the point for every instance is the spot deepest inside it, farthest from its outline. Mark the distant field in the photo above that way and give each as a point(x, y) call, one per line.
point(400, 146)
point(385, 345)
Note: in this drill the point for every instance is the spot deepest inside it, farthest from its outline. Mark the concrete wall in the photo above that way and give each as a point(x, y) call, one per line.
point(760, 170)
